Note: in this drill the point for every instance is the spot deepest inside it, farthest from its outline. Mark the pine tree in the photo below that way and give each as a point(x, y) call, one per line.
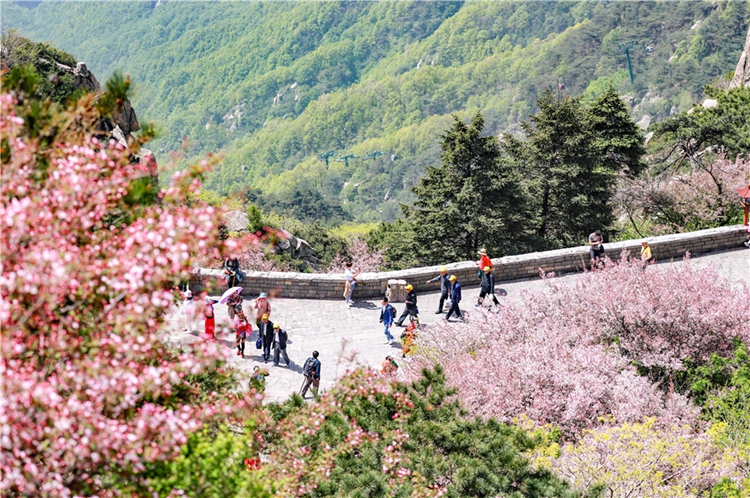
point(617, 138)
point(471, 200)
point(568, 183)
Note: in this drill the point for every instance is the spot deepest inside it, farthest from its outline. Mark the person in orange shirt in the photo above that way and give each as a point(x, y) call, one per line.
point(484, 260)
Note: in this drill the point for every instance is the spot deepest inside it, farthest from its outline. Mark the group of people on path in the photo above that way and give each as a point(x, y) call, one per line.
point(272, 339)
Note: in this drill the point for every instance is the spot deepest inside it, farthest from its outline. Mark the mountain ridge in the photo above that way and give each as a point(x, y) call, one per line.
point(211, 74)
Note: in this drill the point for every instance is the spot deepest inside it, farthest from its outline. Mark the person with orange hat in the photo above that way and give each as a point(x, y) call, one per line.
point(445, 288)
point(411, 306)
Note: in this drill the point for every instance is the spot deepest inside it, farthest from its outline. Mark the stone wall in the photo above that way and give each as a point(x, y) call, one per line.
point(369, 285)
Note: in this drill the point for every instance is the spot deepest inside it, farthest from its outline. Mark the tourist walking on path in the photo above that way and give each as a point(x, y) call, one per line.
point(262, 307)
point(266, 336)
point(445, 288)
point(242, 329)
point(311, 371)
point(596, 249)
point(455, 298)
point(387, 314)
point(646, 257)
point(232, 303)
point(208, 315)
point(351, 280)
point(484, 260)
point(279, 345)
point(488, 286)
point(411, 306)
point(188, 311)
point(232, 271)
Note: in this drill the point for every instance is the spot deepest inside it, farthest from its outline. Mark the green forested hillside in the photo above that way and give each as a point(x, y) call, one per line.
point(274, 85)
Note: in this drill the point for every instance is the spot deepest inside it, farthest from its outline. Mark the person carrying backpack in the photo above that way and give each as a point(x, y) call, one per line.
point(311, 371)
point(387, 314)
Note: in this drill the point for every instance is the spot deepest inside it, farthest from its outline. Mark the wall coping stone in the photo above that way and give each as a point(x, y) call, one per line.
point(515, 267)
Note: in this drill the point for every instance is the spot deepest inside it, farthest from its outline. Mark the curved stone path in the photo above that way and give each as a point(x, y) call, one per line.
point(345, 336)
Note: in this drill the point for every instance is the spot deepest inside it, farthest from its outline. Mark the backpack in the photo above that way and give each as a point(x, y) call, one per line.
point(308, 369)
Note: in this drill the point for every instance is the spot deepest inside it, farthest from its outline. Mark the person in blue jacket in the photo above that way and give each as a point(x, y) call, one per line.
point(455, 298)
point(387, 314)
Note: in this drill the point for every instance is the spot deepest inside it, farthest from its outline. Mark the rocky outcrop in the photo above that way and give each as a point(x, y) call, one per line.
point(742, 73)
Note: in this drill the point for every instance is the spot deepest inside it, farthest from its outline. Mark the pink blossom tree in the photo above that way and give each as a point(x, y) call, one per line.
point(89, 392)
point(612, 344)
point(362, 256)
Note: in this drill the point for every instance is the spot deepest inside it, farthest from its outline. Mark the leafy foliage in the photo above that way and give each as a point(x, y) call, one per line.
point(472, 200)
point(210, 73)
point(369, 437)
point(91, 395)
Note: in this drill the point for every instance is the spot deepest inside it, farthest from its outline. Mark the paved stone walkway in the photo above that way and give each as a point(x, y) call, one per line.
point(346, 336)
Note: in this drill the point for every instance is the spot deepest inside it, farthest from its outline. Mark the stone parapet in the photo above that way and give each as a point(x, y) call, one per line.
point(521, 266)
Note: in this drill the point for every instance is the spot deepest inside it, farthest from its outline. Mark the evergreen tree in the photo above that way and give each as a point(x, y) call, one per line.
point(472, 200)
point(568, 183)
point(617, 138)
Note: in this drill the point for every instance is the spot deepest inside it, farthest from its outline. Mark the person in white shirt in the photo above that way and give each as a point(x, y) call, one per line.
point(351, 281)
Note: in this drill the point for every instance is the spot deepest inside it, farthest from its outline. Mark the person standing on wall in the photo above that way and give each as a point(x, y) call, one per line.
point(445, 288)
point(311, 371)
point(411, 306)
point(351, 281)
point(455, 298)
point(279, 345)
point(596, 247)
point(266, 335)
point(488, 286)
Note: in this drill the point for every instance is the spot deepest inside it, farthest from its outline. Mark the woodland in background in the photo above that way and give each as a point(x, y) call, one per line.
point(274, 85)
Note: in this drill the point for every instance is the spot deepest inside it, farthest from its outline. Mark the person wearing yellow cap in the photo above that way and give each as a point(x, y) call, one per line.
point(279, 345)
point(488, 286)
point(266, 335)
point(411, 306)
point(445, 288)
point(455, 298)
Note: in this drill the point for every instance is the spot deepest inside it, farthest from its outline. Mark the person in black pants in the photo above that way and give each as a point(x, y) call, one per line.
point(445, 288)
point(411, 305)
point(279, 345)
point(488, 286)
point(266, 335)
point(455, 299)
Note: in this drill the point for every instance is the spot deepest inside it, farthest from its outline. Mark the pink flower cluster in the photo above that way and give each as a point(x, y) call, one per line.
point(567, 355)
point(86, 282)
point(362, 257)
